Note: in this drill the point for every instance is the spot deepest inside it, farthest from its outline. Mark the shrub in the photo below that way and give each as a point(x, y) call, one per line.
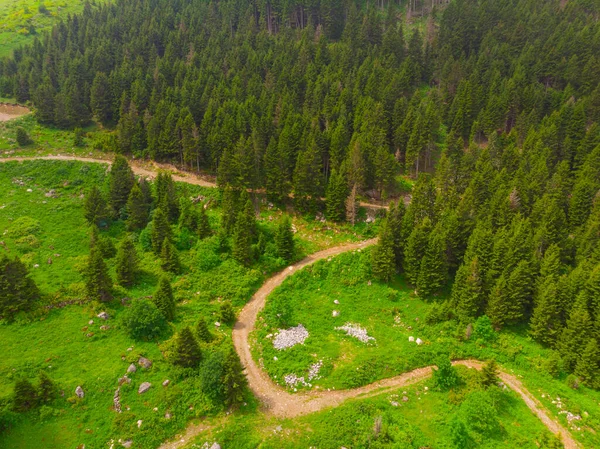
point(445, 376)
point(227, 313)
point(23, 138)
point(483, 329)
point(479, 413)
point(573, 381)
point(24, 226)
point(143, 321)
point(78, 135)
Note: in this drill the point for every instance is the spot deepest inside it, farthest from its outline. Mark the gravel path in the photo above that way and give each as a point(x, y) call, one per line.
point(278, 401)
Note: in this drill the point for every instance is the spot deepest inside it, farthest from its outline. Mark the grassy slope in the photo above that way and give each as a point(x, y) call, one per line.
point(57, 341)
point(309, 296)
point(422, 421)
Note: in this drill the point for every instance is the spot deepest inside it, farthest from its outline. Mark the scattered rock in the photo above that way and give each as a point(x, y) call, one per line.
point(79, 392)
point(50, 194)
point(50, 261)
point(354, 330)
point(335, 301)
point(139, 423)
point(129, 349)
point(104, 328)
point(275, 358)
point(419, 341)
point(404, 398)
point(117, 400)
point(168, 415)
point(166, 382)
point(286, 338)
point(103, 315)
point(217, 324)
point(124, 379)
point(335, 313)
point(145, 386)
point(29, 190)
point(127, 443)
point(131, 368)
point(90, 322)
point(144, 362)
point(411, 338)
point(36, 265)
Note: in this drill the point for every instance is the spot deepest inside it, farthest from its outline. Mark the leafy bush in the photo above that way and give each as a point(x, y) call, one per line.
point(479, 414)
point(143, 321)
point(483, 329)
point(24, 226)
point(23, 138)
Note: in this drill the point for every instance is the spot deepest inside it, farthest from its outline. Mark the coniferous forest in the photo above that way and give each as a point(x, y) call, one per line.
point(489, 108)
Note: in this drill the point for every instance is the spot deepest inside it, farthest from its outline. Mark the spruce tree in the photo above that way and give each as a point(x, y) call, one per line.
point(445, 376)
point(229, 210)
point(127, 263)
point(138, 210)
point(576, 334)
point(169, 259)
point(395, 221)
point(121, 183)
point(234, 380)
point(284, 239)
point(383, 259)
point(95, 207)
point(545, 324)
point(468, 298)
point(433, 272)
point(335, 197)
point(489, 374)
point(18, 292)
point(166, 196)
point(588, 366)
point(203, 229)
point(164, 299)
point(100, 98)
point(98, 284)
point(47, 390)
point(202, 331)
point(186, 353)
point(245, 229)
point(24, 396)
point(414, 250)
point(227, 313)
point(161, 230)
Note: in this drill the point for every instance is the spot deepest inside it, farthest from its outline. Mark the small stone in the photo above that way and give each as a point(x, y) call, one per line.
point(166, 382)
point(124, 380)
point(404, 398)
point(335, 313)
point(139, 423)
point(419, 341)
point(90, 322)
point(127, 443)
point(79, 392)
point(275, 358)
point(335, 301)
point(50, 261)
point(131, 369)
point(168, 415)
point(104, 328)
point(36, 265)
point(144, 362)
point(217, 324)
point(29, 190)
point(144, 387)
point(130, 349)
point(103, 315)
point(411, 338)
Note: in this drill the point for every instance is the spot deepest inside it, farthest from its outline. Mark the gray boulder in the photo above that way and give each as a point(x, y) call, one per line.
point(132, 369)
point(79, 392)
point(144, 362)
point(145, 386)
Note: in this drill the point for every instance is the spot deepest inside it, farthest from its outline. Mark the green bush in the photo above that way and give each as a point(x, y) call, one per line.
point(143, 321)
point(24, 226)
point(23, 138)
point(483, 330)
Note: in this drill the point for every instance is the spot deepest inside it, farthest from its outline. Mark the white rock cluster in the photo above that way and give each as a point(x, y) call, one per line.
point(354, 330)
point(313, 371)
point(286, 338)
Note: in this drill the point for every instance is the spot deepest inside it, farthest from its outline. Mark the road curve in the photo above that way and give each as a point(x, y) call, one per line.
point(277, 401)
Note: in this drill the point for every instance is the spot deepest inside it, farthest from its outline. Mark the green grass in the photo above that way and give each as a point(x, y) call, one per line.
point(22, 20)
point(57, 341)
point(391, 314)
point(422, 421)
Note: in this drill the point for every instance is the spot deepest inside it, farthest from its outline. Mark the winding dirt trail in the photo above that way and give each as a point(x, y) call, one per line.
point(276, 400)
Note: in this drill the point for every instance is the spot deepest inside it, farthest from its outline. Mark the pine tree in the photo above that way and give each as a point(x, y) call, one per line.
point(18, 292)
point(335, 197)
point(489, 374)
point(234, 380)
point(545, 324)
point(47, 390)
point(186, 353)
point(588, 366)
point(245, 228)
point(226, 313)
point(169, 259)
point(166, 196)
point(382, 256)
point(121, 183)
point(352, 205)
point(161, 230)
point(433, 272)
point(276, 180)
point(202, 331)
point(284, 239)
point(98, 284)
point(24, 396)
point(395, 222)
point(95, 207)
point(229, 208)
point(203, 229)
point(164, 300)
point(127, 263)
point(138, 210)
point(445, 376)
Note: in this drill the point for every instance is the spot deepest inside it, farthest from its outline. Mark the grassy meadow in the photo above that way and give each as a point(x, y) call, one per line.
point(391, 314)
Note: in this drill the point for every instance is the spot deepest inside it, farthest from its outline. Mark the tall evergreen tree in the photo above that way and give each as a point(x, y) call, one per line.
point(25, 396)
point(234, 381)
point(121, 183)
point(335, 197)
point(47, 390)
point(169, 259)
point(18, 292)
point(95, 207)
point(127, 263)
point(203, 230)
point(161, 229)
point(98, 284)
point(186, 353)
point(284, 239)
point(576, 334)
point(468, 298)
point(138, 210)
point(489, 374)
point(383, 258)
point(433, 272)
point(164, 299)
point(202, 331)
